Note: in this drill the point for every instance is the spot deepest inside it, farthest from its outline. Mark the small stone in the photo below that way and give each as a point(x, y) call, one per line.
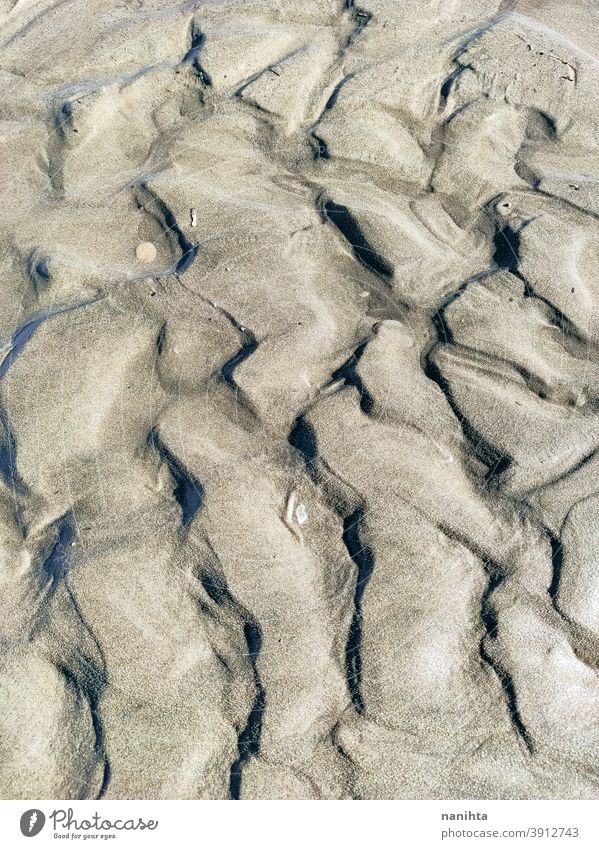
point(301, 514)
point(146, 252)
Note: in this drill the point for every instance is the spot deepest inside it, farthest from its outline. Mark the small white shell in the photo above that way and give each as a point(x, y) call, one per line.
point(301, 514)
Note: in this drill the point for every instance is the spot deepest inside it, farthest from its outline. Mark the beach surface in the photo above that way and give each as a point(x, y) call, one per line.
point(299, 378)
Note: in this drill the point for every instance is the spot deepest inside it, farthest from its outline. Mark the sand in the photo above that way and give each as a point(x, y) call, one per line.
point(299, 366)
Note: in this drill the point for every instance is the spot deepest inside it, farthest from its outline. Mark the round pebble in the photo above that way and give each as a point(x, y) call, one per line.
point(146, 252)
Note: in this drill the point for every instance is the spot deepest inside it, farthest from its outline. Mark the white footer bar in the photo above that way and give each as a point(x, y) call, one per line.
point(262, 824)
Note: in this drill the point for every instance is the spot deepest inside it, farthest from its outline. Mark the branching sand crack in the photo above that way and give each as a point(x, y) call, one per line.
point(93, 683)
point(498, 462)
point(488, 617)
point(363, 558)
point(193, 54)
point(341, 217)
point(188, 491)
point(348, 374)
point(159, 210)
point(249, 736)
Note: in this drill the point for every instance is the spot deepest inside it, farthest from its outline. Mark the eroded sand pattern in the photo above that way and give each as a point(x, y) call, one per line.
point(298, 389)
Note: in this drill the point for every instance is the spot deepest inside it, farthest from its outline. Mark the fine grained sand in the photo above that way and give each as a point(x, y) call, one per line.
point(299, 377)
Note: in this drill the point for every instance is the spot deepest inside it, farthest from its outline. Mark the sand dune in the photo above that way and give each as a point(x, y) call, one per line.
point(298, 373)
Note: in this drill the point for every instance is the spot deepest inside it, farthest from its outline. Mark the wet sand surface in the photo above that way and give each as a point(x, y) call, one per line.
point(299, 367)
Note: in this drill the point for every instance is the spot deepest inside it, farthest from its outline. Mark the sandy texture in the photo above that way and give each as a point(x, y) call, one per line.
point(298, 386)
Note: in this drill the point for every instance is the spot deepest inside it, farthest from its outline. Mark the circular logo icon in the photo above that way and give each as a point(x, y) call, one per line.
point(32, 822)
